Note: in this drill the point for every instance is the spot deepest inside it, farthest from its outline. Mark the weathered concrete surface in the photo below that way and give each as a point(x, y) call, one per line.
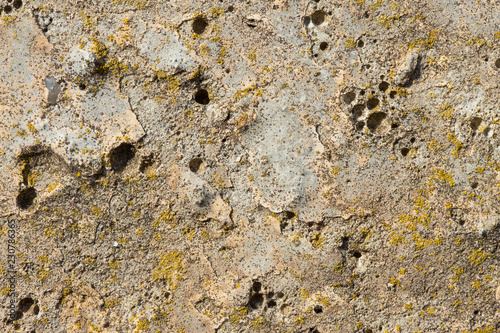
point(259, 166)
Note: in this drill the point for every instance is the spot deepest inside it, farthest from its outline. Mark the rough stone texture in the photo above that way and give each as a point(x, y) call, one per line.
point(259, 166)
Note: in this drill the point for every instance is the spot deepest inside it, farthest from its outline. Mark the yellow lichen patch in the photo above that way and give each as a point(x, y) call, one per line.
point(240, 312)
point(443, 176)
point(142, 325)
point(458, 144)
point(31, 128)
point(217, 12)
point(446, 111)
point(338, 267)
point(304, 293)
point(169, 269)
point(114, 264)
point(242, 93)
point(174, 83)
point(258, 322)
point(252, 55)
point(479, 256)
point(377, 4)
point(458, 271)
point(8, 20)
point(386, 21)
point(317, 240)
point(421, 243)
point(350, 44)
point(427, 43)
point(99, 48)
point(395, 238)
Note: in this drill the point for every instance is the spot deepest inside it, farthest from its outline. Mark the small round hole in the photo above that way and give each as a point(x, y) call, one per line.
point(257, 286)
point(289, 215)
point(412, 140)
point(392, 94)
point(383, 86)
point(357, 254)
point(360, 125)
point(120, 156)
point(256, 301)
point(475, 122)
point(318, 17)
point(199, 25)
point(349, 97)
point(372, 103)
point(394, 125)
point(362, 92)
point(497, 63)
point(375, 120)
point(323, 46)
point(361, 43)
point(201, 97)
point(230, 9)
point(474, 185)
point(7, 9)
point(195, 164)
point(17, 4)
point(405, 151)
point(26, 197)
point(318, 309)
point(271, 304)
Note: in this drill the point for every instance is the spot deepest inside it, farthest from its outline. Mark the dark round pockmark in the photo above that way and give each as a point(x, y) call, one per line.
point(26, 197)
point(120, 156)
point(318, 17)
point(383, 86)
point(199, 25)
point(201, 97)
point(17, 4)
point(195, 164)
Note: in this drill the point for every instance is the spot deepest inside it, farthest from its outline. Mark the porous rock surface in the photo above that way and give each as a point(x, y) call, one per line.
point(251, 166)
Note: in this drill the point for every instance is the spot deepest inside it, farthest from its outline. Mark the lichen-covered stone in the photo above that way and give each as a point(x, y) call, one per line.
point(259, 166)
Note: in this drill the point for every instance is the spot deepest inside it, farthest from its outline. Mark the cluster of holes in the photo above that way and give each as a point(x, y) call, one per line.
point(119, 157)
point(7, 9)
point(317, 18)
point(24, 306)
point(374, 120)
point(405, 150)
point(475, 124)
point(257, 297)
